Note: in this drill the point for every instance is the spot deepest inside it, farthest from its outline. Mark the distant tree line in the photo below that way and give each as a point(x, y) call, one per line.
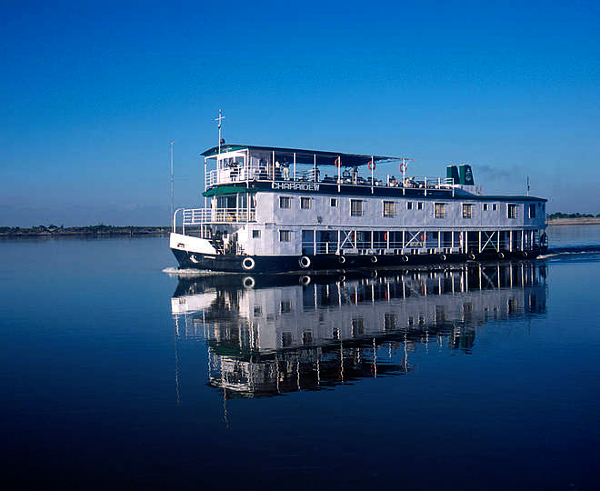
point(100, 230)
point(560, 214)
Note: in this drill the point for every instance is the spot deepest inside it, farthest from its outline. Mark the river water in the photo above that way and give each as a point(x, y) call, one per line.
point(114, 374)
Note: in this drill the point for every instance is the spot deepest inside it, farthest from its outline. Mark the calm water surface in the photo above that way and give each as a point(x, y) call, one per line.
point(114, 374)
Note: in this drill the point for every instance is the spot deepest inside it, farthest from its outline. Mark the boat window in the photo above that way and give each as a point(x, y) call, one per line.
point(390, 321)
point(440, 210)
point(409, 205)
point(286, 339)
point(531, 211)
point(512, 211)
point(389, 209)
point(356, 207)
point(305, 203)
point(333, 202)
point(420, 205)
point(495, 207)
point(485, 207)
point(285, 235)
point(358, 327)
point(285, 202)
point(467, 210)
point(307, 337)
point(285, 306)
point(256, 234)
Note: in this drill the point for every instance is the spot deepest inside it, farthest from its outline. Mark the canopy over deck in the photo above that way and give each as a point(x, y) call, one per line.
point(303, 156)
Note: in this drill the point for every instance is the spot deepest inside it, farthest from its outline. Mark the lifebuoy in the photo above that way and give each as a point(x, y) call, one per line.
point(525, 254)
point(194, 259)
point(405, 259)
point(338, 162)
point(501, 255)
point(305, 280)
point(371, 165)
point(402, 167)
point(374, 259)
point(248, 263)
point(341, 259)
point(304, 262)
point(443, 257)
point(248, 282)
point(471, 256)
point(385, 236)
point(422, 236)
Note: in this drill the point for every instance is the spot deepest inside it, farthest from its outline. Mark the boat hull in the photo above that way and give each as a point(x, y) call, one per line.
point(276, 264)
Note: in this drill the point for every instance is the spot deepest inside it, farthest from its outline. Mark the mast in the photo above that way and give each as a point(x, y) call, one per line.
point(172, 193)
point(220, 120)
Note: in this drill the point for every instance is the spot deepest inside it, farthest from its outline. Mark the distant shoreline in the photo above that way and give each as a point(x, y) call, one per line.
point(96, 231)
point(106, 231)
point(574, 221)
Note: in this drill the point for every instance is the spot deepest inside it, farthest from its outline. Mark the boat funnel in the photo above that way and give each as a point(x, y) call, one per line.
point(466, 174)
point(452, 173)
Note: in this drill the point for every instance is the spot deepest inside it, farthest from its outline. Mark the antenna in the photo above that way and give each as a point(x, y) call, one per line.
point(528, 186)
point(172, 193)
point(220, 120)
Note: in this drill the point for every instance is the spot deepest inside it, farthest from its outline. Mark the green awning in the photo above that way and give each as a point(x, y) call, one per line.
point(304, 156)
point(221, 190)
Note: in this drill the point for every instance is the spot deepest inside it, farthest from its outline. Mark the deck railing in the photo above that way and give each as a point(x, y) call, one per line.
point(379, 247)
point(202, 216)
point(241, 174)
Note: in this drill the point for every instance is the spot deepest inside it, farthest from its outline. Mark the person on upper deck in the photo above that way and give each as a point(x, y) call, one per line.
point(285, 170)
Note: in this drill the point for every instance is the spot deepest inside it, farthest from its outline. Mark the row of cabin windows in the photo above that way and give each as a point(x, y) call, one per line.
point(358, 329)
point(467, 210)
point(389, 207)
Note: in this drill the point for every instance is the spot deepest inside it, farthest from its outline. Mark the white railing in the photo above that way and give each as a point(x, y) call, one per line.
point(427, 182)
point(242, 174)
point(196, 216)
point(379, 247)
point(202, 216)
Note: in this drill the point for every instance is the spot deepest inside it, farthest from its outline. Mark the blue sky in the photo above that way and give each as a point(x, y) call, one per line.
point(93, 92)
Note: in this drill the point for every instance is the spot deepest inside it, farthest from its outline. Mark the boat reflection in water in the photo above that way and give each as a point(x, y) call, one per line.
point(268, 335)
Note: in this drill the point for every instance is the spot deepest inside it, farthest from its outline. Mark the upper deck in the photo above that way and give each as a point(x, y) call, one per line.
point(290, 169)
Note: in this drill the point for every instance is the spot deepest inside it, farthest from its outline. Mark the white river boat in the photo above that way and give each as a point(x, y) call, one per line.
point(270, 209)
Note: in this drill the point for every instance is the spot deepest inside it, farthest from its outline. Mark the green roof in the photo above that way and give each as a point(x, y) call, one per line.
point(221, 190)
point(304, 156)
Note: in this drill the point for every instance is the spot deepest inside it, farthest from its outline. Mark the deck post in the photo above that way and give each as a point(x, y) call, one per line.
point(522, 240)
point(294, 166)
point(372, 173)
point(339, 179)
point(480, 242)
point(403, 177)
